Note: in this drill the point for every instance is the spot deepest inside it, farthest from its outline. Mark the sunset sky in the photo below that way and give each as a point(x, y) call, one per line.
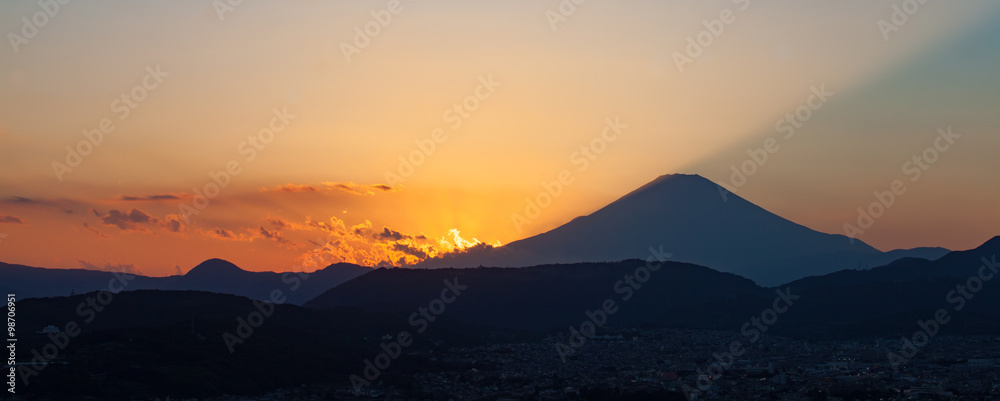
point(490, 99)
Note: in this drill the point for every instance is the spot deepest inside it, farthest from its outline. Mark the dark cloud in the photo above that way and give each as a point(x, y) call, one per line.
point(173, 223)
point(158, 197)
point(94, 231)
point(271, 235)
point(410, 250)
point(278, 223)
point(10, 219)
point(291, 188)
point(133, 220)
point(390, 234)
point(359, 189)
point(222, 233)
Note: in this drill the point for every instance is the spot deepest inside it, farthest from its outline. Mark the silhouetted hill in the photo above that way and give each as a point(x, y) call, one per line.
point(689, 216)
point(213, 275)
point(957, 264)
point(147, 344)
point(545, 297)
point(886, 300)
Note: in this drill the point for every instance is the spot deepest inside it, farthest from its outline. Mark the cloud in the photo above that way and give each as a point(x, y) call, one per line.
point(348, 187)
point(133, 220)
point(137, 220)
point(335, 226)
point(149, 198)
point(279, 223)
point(388, 233)
point(291, 188)
point(10, 219)
point(271, 235)
point(363, 229)
point(23, 200)
point(173, 223)
point(63, 205)
point(249, 235)
point(359, 189)
point(221, 233)
point(94, 231)
point(410, 249)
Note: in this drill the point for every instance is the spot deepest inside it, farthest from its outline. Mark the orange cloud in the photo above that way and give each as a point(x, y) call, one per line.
point(361, 244)
point(291, 188)
point(360, 189)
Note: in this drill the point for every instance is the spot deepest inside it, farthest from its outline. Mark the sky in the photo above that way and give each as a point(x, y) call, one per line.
point(287, 135)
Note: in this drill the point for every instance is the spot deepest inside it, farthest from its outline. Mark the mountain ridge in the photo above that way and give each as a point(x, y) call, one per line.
point(687, 215)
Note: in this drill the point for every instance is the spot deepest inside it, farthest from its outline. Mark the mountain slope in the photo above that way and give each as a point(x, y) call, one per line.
point(213, 275)
point(886, 300)
point(550, 297)
point(690, 217)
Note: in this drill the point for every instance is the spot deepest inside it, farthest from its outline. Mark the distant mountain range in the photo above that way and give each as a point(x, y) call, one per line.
point(887, 300)
point(214, 275)
point(689, 217)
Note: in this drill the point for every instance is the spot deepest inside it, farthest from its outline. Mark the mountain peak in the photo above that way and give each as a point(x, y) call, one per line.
point(214, 266)
point(688, 216)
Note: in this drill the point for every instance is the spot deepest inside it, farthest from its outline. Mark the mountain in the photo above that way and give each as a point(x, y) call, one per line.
point(886, 300)
point(551, 297)
point(954, 265)
point(890, 299)
point(214, 275)
point(699, 223)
